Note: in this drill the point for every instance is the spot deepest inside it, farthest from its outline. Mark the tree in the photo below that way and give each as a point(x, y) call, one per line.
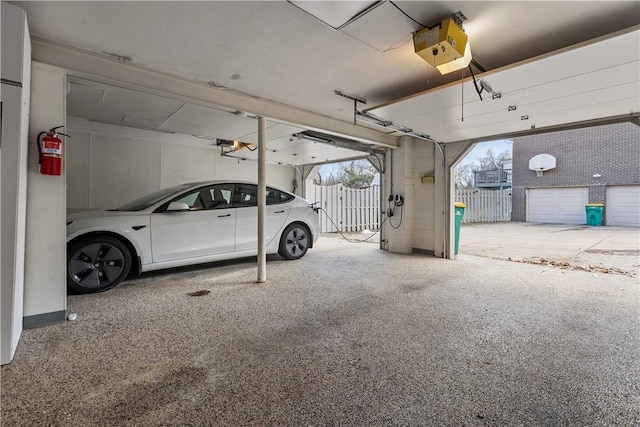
point(353, 174)
point(464, 176)
point(490, 161)
point(357, 174)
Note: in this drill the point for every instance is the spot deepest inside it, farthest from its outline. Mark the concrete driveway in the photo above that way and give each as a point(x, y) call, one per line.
point(608, 250)
point(349, 335)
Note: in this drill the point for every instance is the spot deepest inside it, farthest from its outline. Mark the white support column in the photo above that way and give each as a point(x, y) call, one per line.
point(45, 281)
point(439, 207)
point(15, 95)
point(262, 199)
point(445, 193)
point(399, 228)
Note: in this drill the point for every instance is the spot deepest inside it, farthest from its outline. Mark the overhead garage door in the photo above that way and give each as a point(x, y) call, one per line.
point(623, 205)
point(557, 205)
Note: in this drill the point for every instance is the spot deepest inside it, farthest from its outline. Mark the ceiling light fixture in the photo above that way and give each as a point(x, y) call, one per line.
point(457, 64)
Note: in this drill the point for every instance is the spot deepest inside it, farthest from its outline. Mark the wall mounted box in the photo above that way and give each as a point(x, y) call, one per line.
point(427, 179)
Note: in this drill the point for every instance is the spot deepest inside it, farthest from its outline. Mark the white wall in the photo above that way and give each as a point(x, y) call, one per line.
point(425, 213)
point(16, 61)
point(45, 287)
point(111, 165)
point(425, 196)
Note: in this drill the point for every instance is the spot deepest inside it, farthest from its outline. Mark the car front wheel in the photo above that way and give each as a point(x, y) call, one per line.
point(97, 263)
point(294, 242)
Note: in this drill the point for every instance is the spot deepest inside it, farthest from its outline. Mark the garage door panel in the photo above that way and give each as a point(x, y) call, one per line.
point(623, 205)
point(557, 205)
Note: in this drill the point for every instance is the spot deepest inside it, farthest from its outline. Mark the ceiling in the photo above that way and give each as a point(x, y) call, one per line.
point(101, 104)
point(276, 50)
point(590, 83)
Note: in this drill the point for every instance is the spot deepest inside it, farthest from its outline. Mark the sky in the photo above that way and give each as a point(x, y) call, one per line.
point(480, 149)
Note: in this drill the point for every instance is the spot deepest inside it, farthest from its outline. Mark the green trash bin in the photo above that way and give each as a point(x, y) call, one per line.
point(459, 215)
point(594, 214)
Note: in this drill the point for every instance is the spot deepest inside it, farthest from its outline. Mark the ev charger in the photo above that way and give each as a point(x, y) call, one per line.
point(397, 201)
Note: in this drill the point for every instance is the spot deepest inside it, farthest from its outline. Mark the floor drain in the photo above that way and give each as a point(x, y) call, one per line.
point(198, 293)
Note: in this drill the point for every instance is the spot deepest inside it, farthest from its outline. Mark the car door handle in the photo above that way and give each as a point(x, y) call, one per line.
point(224, 216)
point(279, 212)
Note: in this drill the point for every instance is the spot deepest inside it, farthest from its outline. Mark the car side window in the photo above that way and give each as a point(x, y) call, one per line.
point(249, 196)
point(275, 197)
point(191, 199)
point(219, 196)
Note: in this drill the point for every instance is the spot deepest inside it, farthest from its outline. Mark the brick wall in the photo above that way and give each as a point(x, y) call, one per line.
point(613, 151)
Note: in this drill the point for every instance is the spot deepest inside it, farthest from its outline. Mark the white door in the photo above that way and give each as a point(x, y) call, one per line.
point(207, 228)
point(623, 205)
point(557, 205)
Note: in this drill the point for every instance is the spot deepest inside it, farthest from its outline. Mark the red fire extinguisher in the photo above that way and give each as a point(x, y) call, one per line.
point(50, 152)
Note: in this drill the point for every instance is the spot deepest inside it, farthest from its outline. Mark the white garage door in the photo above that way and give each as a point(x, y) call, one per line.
point(623, 205)
point(557, 205)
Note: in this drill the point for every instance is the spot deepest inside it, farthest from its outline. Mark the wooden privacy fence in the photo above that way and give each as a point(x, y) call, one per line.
point(351, 209)
point(485, 205)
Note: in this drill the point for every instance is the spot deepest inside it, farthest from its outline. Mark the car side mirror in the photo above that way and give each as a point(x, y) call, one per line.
point(177, 206)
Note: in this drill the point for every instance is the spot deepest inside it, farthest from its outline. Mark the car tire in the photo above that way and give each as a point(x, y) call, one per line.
point(97, 263)
point(295, 241)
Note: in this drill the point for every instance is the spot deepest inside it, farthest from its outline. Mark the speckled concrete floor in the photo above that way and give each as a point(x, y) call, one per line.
point(349, 335)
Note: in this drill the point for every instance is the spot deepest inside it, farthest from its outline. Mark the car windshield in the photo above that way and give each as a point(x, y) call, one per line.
point(150, 199)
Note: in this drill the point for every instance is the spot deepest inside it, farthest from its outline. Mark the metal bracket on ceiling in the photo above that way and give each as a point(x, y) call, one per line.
point(387, 124)
point(304, 170)
point(233, 146)
point(355, 100)
point(482, 85)
point(377, 160)
point(459, 17)
point(337, 141)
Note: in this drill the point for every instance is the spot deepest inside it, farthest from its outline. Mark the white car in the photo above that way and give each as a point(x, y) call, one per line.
point(183, 225)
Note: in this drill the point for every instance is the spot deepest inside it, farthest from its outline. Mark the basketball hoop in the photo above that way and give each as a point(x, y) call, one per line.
point(541, 163)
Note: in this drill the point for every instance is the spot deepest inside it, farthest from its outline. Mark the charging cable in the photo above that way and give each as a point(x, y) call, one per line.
point(393, 204)
point(353, 240)
point(391, 223)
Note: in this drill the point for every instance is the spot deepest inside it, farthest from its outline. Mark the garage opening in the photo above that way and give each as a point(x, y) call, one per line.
point(595, 168)
point(349, 194)
point(483, 180)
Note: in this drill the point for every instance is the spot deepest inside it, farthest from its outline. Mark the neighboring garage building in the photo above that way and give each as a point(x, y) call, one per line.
point(597, 164)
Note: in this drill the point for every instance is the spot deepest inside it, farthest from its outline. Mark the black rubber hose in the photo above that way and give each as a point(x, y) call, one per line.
point(39, 144)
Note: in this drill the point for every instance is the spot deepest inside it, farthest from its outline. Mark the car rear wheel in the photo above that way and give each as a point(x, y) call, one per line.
point(294, 242)
point(97, 263)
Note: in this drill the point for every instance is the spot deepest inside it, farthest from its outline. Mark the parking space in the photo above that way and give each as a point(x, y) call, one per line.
point(612, 250)
point(375, 339)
